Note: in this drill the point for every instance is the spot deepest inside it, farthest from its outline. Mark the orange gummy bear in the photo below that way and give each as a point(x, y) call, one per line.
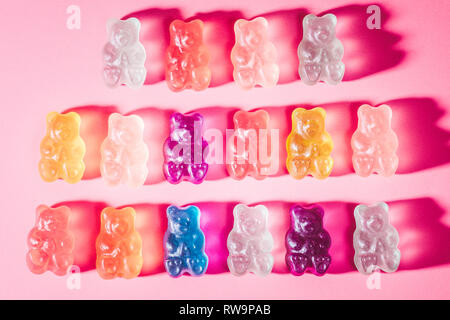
point(308, 145)
point(119, 245)
point(62, 149)
point(187, 57)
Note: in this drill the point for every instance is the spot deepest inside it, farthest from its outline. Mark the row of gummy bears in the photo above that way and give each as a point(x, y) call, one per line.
point(253, 56)
point(124, 154)
point(249, 243)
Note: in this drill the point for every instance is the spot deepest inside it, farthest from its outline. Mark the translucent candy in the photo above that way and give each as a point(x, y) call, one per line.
point(124, 153)
point(307, 242)
point(123, 55)
point(119, 245)
point(50, 242)
point(184, 242)
point(62, 149)
point(308, 145)
point(375, 240)
point(249, 242)
point(374, 143)
point(185, 149)
point(254, 56)
point(320, 52)
point(187, 57)
point(244, 154)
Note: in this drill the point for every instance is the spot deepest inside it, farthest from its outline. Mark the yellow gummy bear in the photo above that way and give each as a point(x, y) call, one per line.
point(62, 149)
point(308, 145)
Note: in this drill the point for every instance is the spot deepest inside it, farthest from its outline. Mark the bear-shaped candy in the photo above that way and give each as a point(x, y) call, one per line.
point(309, 145)
point(374, 143)
point(307, 242)
point(375, 240)
point(124, 154)
point(250, 242)
point(62, 149)
point(320, 52)
point(123, 55)
point(245, 151)
point(184, 242)
point(253, 55)
point(119, 245)
point(187, 57)
point(50, 242)
point(185, 149)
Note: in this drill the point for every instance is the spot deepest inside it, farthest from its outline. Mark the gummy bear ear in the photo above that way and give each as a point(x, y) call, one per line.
point(197, 23)
point(238, 25)
point(386, 111)
point(359, 211)
point(41, 208)
point(135, 22)
point(383, 205)
point(262, 113)
point(197, 117)
point(263, 211)
point(331, 17)
point(110, 24)
point(307, 20)
point(362, 110)
point(171, 211)
point(321, 111)
point(51, 116)
point(296, 211)
point(175, 26)
point(318, 210)
point(261, 22)
point(297, 114)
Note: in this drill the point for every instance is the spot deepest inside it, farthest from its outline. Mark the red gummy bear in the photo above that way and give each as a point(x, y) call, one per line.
point(187, 57)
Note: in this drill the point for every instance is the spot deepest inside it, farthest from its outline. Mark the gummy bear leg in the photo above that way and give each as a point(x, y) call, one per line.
point(322, 167)
point(174, 266)
point(48, 168)
point(391, 261)
point(72, 172)
point(297, 263)
point(263, 264)
point(112, 75)
point(298, 167)
point(176, 79)
point(37, 261)
point(173, 172)
point(107, 267)
point(245, 78)
point(368, 262)
point(269, 75)
point(321, 264)
point(197, 172)
point(201, 77)
point(111, 171)
point(136, 76)
point(238, 264)
point(132, 266)
point(237, 170)
point(388, 165)
point(137, 175)
point(61, 263)
point(363, 164)
point(310, 73)
point(197, 264)
point(335, 72)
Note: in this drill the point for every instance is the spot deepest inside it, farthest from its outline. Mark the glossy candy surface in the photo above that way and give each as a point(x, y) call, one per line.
point(307, 242)
point(375, 240)
point(124, 154)
point(185, 149)
point(309, 145)
point(244, 156)
point(249, 242)
point(374, 143)
point(184, 242)
point(123, 55)
point(253, 55)
point(119, 245)
point(187, 57)
point(320, 52)
point(50, 242)
point(62, 149)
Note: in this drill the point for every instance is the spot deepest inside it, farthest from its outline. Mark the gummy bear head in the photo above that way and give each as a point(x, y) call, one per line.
point(307, 220)
point(374, 121)
point(183, 221)
point(52, 219)
point(182, 126)
point(251, 34)
point(310, 124)
point(373, 219)
point(64, 127)
point(123, 33)
point(186, 35)
point(252, 221)
point(251, 120)
point(125, 130)
point(320, 30)
point(118, 222)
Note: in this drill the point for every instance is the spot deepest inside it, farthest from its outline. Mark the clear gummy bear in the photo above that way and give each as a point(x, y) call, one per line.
point(375, 240)
point(124, 154)
point(184, 242)
point(307, 242)
point(374, 143)
point(253, 55)
point(185, 149)
point(249, 242)
point(320, 52)
point(50, 242)
point(123, 55)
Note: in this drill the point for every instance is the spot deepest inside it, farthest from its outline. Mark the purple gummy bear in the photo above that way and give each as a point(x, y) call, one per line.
point(185, 149)
point(307, 242)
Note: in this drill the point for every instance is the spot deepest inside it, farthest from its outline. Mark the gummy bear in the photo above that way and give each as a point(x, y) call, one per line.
point(119, 245)
point(124, 56)
point(185, 149)
point(124, 153)
point(50, 242)
point(375, 240)
point(249, 242)
point(62, 149)
point(254, 56)
point(244, 148)
point(374, 143)
point(320, 52)
point(308, 145)
point(307, 242)
point(187, 57)
point(184, 242)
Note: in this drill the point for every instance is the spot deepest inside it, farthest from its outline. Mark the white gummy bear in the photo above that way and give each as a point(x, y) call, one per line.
point(123, 55)
point(375, 240)
point(249, 242)
point(320, 52)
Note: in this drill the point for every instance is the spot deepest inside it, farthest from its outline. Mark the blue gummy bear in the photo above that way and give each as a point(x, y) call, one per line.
point(184, 242)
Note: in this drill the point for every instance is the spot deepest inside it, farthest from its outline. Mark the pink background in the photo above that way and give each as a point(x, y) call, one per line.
point(46, 67)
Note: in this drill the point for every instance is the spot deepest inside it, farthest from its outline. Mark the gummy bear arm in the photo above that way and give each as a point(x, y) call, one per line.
point(360, 142)
point(172, 243)
point(236, 242)
point(293, 241)
point(324, 239)
point(390, 141)
point(267, 243)
point(363, 240)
